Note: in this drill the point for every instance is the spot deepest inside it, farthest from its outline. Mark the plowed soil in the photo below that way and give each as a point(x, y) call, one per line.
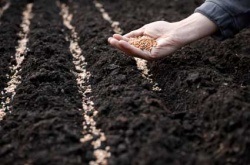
point(201, 115)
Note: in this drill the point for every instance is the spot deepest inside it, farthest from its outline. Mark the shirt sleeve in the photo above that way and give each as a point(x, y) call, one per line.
point(230, 16)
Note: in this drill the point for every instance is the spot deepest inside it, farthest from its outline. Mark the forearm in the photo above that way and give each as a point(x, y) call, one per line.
point(194, 27)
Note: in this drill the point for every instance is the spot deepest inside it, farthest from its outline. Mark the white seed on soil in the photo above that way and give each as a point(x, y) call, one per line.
point(105, 15)
point(89, 125)
point(2, 10)
point(86, 138)
point(15, 79)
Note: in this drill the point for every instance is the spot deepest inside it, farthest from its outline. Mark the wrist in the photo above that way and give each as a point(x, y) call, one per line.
point(194, 27)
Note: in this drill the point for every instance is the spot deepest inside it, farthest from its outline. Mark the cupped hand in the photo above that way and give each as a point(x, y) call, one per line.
point(169, 36)
point(161, 31)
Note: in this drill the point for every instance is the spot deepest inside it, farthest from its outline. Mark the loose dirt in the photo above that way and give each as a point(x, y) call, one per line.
point(201, 115)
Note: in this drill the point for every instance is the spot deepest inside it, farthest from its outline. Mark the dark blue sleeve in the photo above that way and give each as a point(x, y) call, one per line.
point(231, 16)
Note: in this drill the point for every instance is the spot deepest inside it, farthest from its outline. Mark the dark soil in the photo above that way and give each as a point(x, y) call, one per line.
point(201, 116)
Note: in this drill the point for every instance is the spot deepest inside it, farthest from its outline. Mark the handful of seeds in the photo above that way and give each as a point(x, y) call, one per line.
point(143, 42)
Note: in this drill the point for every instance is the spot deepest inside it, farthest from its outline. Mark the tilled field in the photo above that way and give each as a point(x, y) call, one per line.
point(67, 97)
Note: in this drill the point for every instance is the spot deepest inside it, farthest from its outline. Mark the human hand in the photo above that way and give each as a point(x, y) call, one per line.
point(169, 36)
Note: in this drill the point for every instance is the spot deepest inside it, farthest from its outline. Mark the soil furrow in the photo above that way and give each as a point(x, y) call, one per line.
point(9, 28)
point(45, 124)
point(105, 15)
point(3, 6)
point(15, 79)
point(90, 132)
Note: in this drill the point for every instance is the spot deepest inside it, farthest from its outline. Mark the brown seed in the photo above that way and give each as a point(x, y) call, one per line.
point(143, 42)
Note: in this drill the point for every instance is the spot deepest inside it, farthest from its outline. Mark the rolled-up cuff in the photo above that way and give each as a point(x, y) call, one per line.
point(221, 17)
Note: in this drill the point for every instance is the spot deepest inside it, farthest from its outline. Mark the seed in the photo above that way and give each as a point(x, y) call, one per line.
point(143, 42)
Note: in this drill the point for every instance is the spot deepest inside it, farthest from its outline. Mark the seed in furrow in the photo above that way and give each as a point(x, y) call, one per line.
point(15, 79)
point(141, 64)
point(105, 15)
point(89, 126)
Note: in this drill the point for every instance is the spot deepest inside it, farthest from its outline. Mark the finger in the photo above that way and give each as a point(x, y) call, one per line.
point(133, 51)
point(120, 37)
point(129, 49)
point(135, 33)
point(114, 42)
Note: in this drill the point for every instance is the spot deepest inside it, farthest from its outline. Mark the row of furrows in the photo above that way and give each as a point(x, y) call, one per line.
point(207, 80)
point(40, 87)
point(122, 156)
point(43, 123)
point(136, 123)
